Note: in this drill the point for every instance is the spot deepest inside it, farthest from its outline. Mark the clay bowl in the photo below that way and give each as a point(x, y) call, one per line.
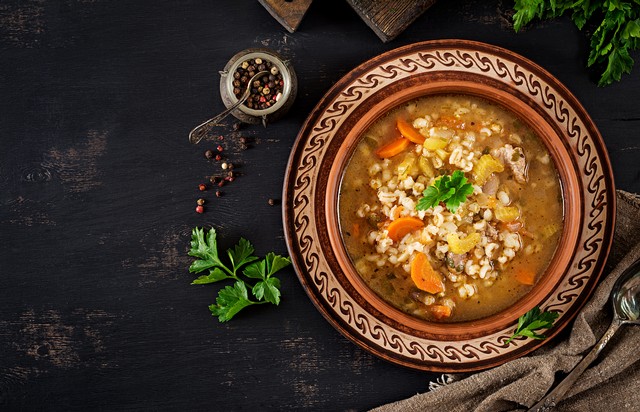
point(324, 147)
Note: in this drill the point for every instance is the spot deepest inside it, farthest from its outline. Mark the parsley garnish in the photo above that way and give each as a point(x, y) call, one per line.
point(452, 190)
point(232, 299)
point(532, 321)
point(617, 34)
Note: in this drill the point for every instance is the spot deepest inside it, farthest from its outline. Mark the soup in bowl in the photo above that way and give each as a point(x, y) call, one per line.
point(450, 208)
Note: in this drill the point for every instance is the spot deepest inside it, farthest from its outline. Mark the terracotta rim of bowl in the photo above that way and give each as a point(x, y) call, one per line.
point(322, 148)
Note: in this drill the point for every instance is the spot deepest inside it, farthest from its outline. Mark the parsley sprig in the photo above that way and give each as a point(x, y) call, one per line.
point(616, 35)
point(232, 299)
point(452, 190)
point(532, 321)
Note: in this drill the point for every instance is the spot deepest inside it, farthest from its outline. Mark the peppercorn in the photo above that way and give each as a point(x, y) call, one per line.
point(202, 187)
point(272, 82)
point(236, 75)
point(221, 183)
point(271, 202)
point(224, 166)
point(237, 126)
point(200, 209)
point(218, 157)
point(243, 140)
point(230, 166)
point(200, 202)
point(218, 193)
point(208, 154)
point(220, 148)
point(214, 179)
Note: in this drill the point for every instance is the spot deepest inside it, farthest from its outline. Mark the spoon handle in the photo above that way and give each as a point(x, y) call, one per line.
point(552, 398)
point(200, 131)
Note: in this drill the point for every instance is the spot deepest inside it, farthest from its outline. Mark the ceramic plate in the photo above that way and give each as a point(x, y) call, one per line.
point(326, 141)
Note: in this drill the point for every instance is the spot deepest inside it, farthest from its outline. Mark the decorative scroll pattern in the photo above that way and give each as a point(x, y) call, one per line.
point(582, 147)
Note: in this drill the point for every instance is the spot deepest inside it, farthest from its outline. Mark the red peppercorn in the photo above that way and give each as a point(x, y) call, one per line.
point(220, 148)
point(202, 187)
point(221, 183)
point(218, 158)
point(200, 209)
point(221, 137)
point(218, 193)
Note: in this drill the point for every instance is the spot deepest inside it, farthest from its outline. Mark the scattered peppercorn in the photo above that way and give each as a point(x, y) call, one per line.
point(214, 179)
point(208, 154)
point(218, 157)
point(271, 202)
point(237, 126)
point(200, 209)
point(224, 166)
point(220, 148)
point(202, 187)
point(200, 202)
point(230, 166)
point(221, 183)
point(218, 193)
point(243, 140)
point(221, 137)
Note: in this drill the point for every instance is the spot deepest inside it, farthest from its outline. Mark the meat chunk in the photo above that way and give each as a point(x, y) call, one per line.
point(456, 262)
point(514, 158)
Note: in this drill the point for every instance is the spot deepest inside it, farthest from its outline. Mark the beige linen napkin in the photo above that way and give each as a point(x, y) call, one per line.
point(611, 383)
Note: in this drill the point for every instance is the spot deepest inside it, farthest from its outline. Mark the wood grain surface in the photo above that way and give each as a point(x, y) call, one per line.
point(389, 18)
point(289, 13)
point(98, 185)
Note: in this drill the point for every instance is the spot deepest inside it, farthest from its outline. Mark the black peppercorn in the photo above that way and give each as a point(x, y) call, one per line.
point(209, 154)
point(271, 202)
point(237, 126)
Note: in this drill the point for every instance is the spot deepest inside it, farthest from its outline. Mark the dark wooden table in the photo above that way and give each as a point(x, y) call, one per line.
point(98, 186)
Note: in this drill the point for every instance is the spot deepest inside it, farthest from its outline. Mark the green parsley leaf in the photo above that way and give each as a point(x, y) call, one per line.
point(215, 275)
point(256, 270)
point(269, 290)
point(617, 34)
point(452, 190)
point(204, 249)
point(240, 255)
point(275, 263)
point(532, 321)
point(232, 299)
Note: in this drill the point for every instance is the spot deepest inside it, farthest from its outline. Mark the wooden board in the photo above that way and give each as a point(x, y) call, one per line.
point(288, 13)
point(388, 18)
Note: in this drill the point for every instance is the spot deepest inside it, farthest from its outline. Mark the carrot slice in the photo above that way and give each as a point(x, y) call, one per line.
point(424, 276)
point(526, 276)
point(440, 311)
point(409, 132)
point(393, 148)
point(401, 226)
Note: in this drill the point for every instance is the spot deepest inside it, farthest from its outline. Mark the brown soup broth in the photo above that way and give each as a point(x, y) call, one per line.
point(511, 254)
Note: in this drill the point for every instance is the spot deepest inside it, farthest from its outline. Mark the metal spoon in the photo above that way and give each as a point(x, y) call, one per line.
point(200, 131)
point(625, 297)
